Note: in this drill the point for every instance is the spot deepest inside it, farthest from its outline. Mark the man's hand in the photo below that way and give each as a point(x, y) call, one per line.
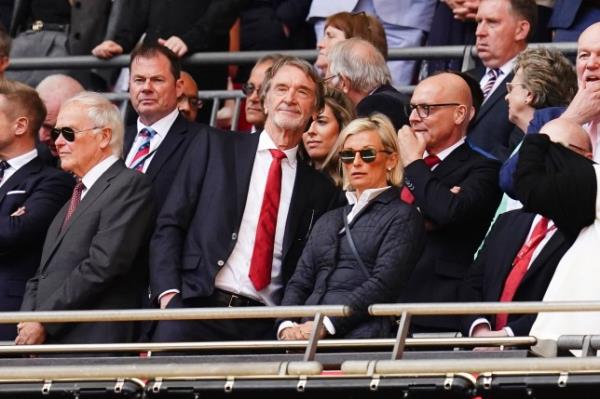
point(107, 49)
point(30, 333)
point(175, 44)
point(411, 145)
point(585, 106)
point(307, 327)
point(165, 299)
point(466, 10)
point(291, 334)
point(19, 212)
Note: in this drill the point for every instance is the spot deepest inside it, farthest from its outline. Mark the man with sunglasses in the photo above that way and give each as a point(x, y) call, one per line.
point(31, 193)
point(91, 257)
point(455, 187)
point(235, 223)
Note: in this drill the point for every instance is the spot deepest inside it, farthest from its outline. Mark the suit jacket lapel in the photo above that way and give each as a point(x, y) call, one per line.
point(497, 95)
point(553, 244)
point(170, 143)
point(243, 159)
point(449, 164)
point(128, 140)
point(30, 167)
point(297, 205)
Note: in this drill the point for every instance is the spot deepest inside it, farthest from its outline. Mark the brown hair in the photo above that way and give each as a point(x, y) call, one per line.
point(151, 50)
point(361, 25)
point(24, 101)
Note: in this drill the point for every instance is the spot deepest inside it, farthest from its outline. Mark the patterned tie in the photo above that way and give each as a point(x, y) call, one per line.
point(75, 200)
point(3, 166)
point(520, 266)
point(405, 195)
point(493, 75)
point(264, 243)
point(140, 156)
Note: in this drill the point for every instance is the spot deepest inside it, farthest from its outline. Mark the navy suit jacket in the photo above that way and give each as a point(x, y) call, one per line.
point(42, 190)
point(388, 101)
point(455, 224)
point(198, 226)
point(564, 13)
point(486, 277)
point(163, 166)
point(491, 130)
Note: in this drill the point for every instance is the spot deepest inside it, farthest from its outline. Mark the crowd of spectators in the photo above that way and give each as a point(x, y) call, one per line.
point(342, 190)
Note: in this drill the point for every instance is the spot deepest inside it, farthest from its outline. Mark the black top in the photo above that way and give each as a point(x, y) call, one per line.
point(51, 11)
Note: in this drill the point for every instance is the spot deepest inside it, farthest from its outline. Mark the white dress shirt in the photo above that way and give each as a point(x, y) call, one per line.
point(505, 70)
point(94, 174)
point(233, 276)
point(161, 127)
point(17, 163)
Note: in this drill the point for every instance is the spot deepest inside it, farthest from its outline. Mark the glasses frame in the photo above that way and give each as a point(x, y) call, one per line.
point(367, 155)
point(511, 85)
point(68, 133)
point(190, 100)
point(249, 88)
point(426, 108)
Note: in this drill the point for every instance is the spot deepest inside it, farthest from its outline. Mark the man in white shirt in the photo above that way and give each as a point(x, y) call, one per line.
point(90, 256)
point(31, 193)
point(236, 220)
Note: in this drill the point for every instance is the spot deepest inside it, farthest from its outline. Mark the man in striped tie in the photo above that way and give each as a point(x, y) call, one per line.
point(503, 29)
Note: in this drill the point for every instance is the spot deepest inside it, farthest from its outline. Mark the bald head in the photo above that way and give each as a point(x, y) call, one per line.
point(54, 90)
point(188, 102)
point(570, 135)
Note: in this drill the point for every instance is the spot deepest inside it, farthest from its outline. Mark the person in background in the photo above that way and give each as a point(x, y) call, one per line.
point(188, 102)
point(387, 239)
point(255, 114)
point(5, 43)
point(324, 130)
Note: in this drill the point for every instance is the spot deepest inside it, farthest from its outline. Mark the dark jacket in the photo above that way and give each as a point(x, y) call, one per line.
point(389, 237)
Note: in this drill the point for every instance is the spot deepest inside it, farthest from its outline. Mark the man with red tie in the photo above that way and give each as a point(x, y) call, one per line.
point(234, 224)
point(455, 188)
point(520, 254)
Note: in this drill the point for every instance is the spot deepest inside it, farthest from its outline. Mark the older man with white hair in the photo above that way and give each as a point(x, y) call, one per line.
point(90, 254)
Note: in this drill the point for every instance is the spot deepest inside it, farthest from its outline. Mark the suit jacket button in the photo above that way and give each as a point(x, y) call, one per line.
point(220, 263)
point(234, 236)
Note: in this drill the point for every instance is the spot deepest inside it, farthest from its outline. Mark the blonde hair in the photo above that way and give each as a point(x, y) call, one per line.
point(385, 130)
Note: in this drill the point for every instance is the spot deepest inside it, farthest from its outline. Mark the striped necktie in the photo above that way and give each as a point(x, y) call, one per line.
point(143, 150)
point(493, 76)
point(3, 166)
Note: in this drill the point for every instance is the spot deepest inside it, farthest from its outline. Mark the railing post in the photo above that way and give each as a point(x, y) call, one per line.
point(213, 112)
point(236, 113)
point(403, 326)
point(468, 61)
point(311, 348)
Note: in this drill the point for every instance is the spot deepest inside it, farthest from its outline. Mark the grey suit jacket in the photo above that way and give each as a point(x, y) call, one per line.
point(91, 263)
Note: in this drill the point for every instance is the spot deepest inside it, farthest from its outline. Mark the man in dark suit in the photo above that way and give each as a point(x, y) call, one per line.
point(89, 256)
point(455, 187)
point(31, 194)
point(503, 29)
point(216, 242)
point(157, 144)
point(359, 70)
point(571, 17)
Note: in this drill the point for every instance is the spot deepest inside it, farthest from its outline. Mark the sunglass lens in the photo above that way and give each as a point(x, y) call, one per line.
point(67, 133)
point(368, 155)
point(347, 156)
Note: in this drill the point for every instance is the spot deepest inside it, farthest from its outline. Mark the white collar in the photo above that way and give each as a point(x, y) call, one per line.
point(21, 160)
point(365, 197)
point(265, 142)
point(447, 151)
point(98, 170)
point(161, 126)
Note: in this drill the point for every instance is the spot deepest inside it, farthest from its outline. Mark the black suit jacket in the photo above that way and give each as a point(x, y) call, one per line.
point(198, 225)
point(42, 190)
point(491, 130)
point(91, 263)
point(387, 101)
point(163, 166)
point(455, 223)
point(486, 277)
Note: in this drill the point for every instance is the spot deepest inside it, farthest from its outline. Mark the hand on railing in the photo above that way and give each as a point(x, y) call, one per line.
point(175, 44)
point(107, 49)
point(30, 333)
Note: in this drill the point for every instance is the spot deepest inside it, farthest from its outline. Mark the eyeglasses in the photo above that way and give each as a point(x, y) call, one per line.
point(68, 133)
point(194, 101)
point(368, 155)
point(249, 88)
point(424, 110)
point(511, 85)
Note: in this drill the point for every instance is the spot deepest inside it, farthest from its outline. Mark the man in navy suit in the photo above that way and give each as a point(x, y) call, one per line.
point(454, 186)
point(503, 29)
point(31, 193)
point(209, 249)
point(571, 17)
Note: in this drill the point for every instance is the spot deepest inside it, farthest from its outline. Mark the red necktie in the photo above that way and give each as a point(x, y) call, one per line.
point(264, 243)
point(140, 156)
point(520, 266)
point(405, 194)
point(75, 200)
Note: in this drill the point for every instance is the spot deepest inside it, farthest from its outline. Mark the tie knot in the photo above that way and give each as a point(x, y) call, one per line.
point(277, 154)
point(431, 160)
point(147, 132)
point(79, 186)
point(4, 165)
point(494, 73)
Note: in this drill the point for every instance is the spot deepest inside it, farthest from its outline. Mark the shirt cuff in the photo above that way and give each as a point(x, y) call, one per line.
point(172, 291)
point(328, 325)
point(283, 326)
point(509, 331)
point(477, 322)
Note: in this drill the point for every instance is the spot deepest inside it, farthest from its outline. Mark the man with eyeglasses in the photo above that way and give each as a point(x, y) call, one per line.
point(31, 193)
point(454, 186)
point(188, 102)
point(91, 256)
point(238, 216)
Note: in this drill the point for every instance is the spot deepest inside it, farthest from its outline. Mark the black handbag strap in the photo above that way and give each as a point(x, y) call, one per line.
point(363, 268)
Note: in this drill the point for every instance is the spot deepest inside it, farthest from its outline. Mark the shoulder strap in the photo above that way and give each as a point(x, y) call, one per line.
point(363, 268)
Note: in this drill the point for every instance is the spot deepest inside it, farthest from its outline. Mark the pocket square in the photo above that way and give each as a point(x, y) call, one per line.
point(16, 192)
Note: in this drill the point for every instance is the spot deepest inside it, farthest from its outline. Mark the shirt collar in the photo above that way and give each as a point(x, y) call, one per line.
point(265, 142)
point(161, 126)
point(366, 196)
point(19, 161)
point(447, 151)
point(94, 174)
point(506, 69)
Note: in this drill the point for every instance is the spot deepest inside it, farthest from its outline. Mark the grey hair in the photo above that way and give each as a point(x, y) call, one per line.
point(103, 113)
point(365, 72)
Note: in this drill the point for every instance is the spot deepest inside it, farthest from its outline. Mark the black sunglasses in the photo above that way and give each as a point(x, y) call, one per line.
point(249, 88)
point(368, 155)
point(67, 132)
